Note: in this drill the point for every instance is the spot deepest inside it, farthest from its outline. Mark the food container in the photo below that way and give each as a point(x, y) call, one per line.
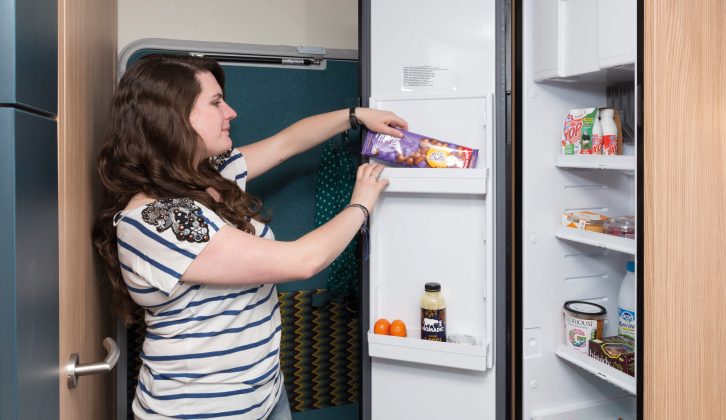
point(583, 322)
point(577, 131)
point(585, 220)
point(623, 226)
point(616, 351)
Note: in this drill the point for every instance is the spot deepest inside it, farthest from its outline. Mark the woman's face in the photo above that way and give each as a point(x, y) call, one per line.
point(211, 115)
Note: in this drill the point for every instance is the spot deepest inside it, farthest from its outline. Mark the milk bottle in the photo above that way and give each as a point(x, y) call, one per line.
point(626, 303)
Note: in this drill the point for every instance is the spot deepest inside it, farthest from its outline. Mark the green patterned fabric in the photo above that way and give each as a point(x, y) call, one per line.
point(319, 351)
point(336, 178)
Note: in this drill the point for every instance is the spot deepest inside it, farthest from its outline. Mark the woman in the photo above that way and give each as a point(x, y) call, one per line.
point(181, 238)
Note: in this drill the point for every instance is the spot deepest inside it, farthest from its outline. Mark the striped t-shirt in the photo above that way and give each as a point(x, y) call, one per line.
point(209, 351)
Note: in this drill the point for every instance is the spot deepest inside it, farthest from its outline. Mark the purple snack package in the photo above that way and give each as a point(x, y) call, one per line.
point(417, 151)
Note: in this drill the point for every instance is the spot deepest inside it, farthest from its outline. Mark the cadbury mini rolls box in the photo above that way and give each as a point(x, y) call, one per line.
point(616, 351)
point(417, 151)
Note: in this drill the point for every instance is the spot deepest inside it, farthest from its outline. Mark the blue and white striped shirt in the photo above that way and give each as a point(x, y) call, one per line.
point(209, 351)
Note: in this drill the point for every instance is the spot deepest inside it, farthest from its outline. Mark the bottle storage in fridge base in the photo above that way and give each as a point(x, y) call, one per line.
point(621, 408)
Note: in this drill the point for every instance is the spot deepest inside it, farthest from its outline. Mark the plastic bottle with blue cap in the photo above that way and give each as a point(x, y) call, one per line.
point(626, 303)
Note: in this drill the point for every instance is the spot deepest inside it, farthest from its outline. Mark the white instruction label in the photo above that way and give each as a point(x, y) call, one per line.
point(427, 78)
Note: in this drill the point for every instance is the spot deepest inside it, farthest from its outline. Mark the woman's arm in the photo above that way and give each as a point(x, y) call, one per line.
point(236, 257)
point(309, 132)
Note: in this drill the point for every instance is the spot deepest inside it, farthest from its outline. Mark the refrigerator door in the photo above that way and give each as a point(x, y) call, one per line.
point(28, 266)
point(434, 65)
point(29, 54)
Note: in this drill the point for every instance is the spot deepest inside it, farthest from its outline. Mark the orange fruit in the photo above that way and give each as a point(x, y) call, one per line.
point(398, 328)
point(382, 326)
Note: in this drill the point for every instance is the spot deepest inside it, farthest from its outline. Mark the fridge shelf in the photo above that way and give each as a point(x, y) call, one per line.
point(409, 349)
point(600, 240)
point(599, 369)
point(438, 181)
point(621, 162)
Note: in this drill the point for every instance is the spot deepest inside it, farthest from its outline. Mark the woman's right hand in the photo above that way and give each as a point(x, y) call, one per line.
point(367, 185)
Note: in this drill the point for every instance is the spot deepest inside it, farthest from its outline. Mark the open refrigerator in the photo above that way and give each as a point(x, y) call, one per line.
point(445, 67)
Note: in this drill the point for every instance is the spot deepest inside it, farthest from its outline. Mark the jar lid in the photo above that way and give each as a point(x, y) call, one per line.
point(580, 307)
point(432, 287)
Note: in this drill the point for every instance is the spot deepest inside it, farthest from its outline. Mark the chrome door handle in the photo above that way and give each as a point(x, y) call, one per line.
point(75, 369)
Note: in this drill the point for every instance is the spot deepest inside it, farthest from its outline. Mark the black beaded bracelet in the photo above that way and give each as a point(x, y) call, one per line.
point(364, 229)
point(354, 124)
point(362, 207)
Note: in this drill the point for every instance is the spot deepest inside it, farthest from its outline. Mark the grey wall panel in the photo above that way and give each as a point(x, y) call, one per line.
point(7, 51)
point(29, 53)
point(29, 309)
point(8, 372)
point(36, 238)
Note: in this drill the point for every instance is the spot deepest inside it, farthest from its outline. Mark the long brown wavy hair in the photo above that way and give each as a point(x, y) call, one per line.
point(151, 148)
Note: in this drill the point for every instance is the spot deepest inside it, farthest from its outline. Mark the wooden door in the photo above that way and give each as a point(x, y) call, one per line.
point(87, 74)
point(685, 197)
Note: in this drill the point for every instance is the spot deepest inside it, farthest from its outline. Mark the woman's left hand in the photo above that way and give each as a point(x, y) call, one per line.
point(385, 122)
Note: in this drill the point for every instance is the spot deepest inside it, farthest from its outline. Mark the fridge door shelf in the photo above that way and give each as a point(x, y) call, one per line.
point(620, 162)
point(600, 240)
point(409, 349)
point(437, 181)
point(599, 369)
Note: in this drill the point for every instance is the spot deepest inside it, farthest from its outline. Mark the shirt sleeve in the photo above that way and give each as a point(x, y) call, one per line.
point(233, 167)
point(158, 244)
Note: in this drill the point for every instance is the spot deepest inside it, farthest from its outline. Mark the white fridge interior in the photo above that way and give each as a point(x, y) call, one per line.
point(573, 51)
point(434, 65)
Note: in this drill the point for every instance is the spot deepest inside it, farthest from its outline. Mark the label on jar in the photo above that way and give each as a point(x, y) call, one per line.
point(433, 324)
point(626, 323)
point(579, 332)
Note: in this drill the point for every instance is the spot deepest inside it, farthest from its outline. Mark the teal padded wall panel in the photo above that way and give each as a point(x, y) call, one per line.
point(269, 99)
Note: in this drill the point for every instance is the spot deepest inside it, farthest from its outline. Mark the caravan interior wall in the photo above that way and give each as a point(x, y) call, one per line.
point(321, 23)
